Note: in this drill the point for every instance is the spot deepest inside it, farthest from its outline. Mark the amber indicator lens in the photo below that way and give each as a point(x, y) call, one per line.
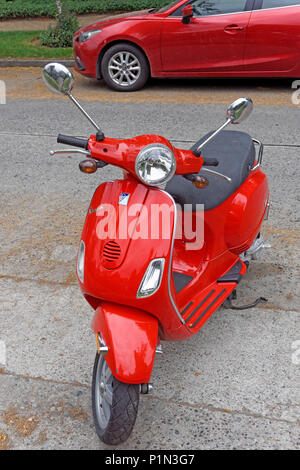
point(88, 166)
point(200, 182)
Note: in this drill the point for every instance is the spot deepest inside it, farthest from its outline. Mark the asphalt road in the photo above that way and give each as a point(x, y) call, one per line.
point(233, 386)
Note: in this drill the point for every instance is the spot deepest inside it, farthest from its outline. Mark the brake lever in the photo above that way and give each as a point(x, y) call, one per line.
point(215, 173)
point(62, 152)
point(192, 177)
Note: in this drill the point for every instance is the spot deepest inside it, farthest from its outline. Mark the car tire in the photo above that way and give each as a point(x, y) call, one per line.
point(124, 67)
point(114, 403)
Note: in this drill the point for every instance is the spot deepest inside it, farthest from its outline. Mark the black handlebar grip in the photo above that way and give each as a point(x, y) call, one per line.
point(74, 141)
point(210, 162)
point(207, 161)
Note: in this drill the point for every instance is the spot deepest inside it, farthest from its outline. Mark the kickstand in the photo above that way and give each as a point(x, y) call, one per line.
point(228, 302)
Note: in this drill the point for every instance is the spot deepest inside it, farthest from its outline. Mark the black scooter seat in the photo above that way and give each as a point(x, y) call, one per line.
point(235, 152)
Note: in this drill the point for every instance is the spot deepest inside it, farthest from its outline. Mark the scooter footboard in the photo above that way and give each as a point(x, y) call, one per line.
point(131, 338)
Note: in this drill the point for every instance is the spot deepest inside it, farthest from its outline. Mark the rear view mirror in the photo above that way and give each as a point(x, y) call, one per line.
point(239, 110)
point(58, 78)
point(187, 14)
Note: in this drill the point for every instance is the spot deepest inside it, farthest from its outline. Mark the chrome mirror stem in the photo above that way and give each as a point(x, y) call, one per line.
point(213, 135)
point(83, 111)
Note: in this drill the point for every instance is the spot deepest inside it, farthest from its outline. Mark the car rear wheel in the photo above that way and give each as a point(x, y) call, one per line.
point(114, 403)
point(125, 68)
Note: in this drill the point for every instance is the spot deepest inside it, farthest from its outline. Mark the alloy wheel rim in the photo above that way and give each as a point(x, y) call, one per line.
point(103, 392)
point(124, 68)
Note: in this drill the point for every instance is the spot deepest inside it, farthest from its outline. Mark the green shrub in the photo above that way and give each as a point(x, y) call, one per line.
point(61, 34)
point(33, 8)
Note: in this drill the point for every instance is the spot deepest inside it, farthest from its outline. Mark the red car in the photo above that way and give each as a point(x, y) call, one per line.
point(196, 38)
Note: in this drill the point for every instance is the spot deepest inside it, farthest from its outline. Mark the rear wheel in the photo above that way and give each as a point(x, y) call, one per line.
point(115, 404)
point(125, 68)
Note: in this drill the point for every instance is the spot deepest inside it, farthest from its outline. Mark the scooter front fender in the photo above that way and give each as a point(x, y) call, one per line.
point(131, 338)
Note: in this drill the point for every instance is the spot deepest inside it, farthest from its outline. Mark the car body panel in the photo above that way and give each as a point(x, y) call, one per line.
point(267, 44)
point(275, 33)
point(204, 44)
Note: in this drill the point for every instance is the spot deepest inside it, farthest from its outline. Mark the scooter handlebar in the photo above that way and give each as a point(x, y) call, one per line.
point(74, 141)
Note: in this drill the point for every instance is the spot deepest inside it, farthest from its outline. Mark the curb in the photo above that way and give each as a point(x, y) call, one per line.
point(33, 62)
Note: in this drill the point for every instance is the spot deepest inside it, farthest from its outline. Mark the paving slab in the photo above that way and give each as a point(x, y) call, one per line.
point(44, 415)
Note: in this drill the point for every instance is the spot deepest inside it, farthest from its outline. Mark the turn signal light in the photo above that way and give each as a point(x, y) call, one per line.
point(88, 166)
point(200, 182)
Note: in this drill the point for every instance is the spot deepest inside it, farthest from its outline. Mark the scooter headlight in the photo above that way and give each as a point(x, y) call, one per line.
point(80, 261)
point(155, 165)
point(152, 278)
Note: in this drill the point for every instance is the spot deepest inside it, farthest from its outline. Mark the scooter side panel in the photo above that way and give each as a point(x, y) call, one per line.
point(246, 212)
point(131, 336)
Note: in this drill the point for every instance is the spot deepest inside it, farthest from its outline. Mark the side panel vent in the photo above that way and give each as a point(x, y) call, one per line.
point(111, 254)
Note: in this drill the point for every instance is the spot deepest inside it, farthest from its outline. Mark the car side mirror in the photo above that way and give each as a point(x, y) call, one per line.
point(187, 14)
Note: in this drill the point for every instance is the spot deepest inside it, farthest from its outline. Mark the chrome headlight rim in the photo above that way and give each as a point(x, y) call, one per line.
point(163, 181)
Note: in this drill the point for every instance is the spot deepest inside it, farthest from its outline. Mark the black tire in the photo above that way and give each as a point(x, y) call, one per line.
point(136, 68)
point(116, 427)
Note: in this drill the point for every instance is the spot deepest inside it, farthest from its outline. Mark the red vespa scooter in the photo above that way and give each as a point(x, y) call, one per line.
point(147, 272)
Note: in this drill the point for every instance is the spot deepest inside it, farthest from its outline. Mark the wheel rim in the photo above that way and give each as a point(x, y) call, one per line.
point(124, 68)
point(103, 392)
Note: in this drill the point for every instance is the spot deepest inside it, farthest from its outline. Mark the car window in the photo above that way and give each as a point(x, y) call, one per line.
point(279, 3)
point(214, 7)
point(163, 9)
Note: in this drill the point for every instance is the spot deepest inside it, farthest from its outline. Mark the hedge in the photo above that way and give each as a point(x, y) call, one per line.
point(34, 8)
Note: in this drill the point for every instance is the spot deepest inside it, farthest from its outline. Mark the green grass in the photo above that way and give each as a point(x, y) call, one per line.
point(18, 45)
point(31, 8)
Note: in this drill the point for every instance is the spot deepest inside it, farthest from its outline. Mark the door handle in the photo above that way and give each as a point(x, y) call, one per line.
point(233, 28)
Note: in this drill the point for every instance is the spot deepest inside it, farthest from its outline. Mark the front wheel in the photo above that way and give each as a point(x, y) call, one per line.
point(115, 404)
point(125, 68)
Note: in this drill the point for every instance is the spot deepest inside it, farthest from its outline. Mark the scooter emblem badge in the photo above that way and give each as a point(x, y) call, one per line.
point(123, 199)
point(91, 211)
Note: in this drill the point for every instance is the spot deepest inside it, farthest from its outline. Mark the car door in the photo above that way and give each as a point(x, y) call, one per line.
point(213, 40)
point(273, 41)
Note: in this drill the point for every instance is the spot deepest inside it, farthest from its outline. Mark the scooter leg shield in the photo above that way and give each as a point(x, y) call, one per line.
point(131, 338)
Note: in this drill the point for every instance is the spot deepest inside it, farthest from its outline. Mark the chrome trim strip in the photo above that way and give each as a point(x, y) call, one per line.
point(171, 259)
point(235, 12)
point(211, 16)
point(277, 8)
point(260, 154)
point(266, 216)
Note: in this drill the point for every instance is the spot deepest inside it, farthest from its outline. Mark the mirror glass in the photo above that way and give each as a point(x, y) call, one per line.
point(58, 78)
point(239, 110)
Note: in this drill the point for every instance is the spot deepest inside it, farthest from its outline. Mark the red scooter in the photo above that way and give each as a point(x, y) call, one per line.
point(162, 248)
